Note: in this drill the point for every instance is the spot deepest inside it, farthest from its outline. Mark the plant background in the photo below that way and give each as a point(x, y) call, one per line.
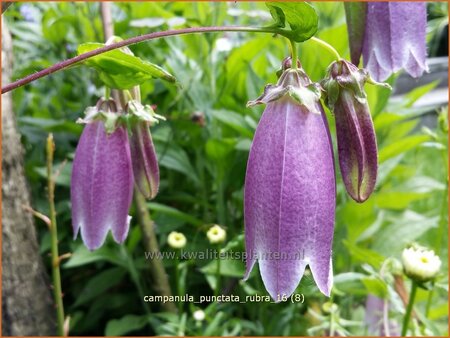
point(203, 163)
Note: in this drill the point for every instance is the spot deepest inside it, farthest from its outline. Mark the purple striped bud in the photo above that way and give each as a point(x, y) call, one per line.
point(290, 191)
point(395, 38)
point(102, 183)
point(143, 155)
point(357, 144)
point(145, 163)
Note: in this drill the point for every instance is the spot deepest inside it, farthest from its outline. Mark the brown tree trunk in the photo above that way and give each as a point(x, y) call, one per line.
point(27, 306)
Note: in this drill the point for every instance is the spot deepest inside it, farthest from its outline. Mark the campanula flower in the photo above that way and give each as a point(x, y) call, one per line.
point(290, 191)
point(102, 179)
point(395, 38)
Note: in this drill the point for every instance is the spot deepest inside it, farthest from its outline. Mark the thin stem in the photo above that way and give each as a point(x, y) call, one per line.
point(218, 281)
point(407, 317)
point(151, 36)
point(157, 270)
point(177, 280)
point(56, 274)
point(294, 54)
point(430, 297)
point(328, 47)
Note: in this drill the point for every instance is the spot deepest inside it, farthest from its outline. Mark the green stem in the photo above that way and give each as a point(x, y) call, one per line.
point(177, 280)
point(157, 270)
point(328, 47)
point(430, 297)
point(407, 317)
point(218, 281)
point(294, 54)
point(56, 274)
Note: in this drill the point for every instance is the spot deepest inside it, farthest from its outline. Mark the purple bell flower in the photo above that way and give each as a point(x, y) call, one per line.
point(290, 191)
point(102, 182)
point(395, 38)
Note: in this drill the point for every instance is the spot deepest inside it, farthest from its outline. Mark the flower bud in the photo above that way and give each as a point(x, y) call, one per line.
point(176, 240)
point(420, 264)
point(143, 155)
point(216, 234)
point(199, 315)
point(357, 145)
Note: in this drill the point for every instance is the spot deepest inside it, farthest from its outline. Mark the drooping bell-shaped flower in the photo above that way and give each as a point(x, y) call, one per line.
point(102, 179)
point(143, 155)
point(290, 188)
point(357, 144)
point(395, 38)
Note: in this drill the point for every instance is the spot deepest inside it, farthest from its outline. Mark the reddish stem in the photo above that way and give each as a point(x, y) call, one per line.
point(150, 36)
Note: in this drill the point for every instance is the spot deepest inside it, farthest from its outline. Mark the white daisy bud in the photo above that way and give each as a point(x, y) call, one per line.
point(216, 234)
point(199, 315)
point(176, 240)
point(420, 264)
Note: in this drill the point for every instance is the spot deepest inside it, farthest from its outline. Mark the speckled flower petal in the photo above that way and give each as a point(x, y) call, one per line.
point(290, 198)
point(145, 163)
point(102, 185)
point(395, 38)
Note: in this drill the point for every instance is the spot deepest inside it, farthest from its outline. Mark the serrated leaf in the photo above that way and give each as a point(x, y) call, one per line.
point(301, 17)
point(121, 70)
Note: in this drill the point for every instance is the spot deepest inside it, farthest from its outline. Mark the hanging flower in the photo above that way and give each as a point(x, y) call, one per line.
point(216, 234)
point(176, 240)
point(395, 38)
point(357, 144)
point(102, 178)
point(420, 264)
point(290, 192)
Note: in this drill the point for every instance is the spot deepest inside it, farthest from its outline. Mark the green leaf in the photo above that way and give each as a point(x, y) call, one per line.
point(397, 200)
point(83, 256)
point(234, 121)
point(401, 146)
point(119, 327)
point(176, 158)
point(164, 209)
point(301, 16)
point(364, 255)
point(375, 286)
point(403, 230)
point(121, 70)
point(100, 284)
point(219, 149)
point(228, 267)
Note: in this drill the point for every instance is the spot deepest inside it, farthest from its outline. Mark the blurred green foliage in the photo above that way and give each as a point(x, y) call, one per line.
point(202, 150)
